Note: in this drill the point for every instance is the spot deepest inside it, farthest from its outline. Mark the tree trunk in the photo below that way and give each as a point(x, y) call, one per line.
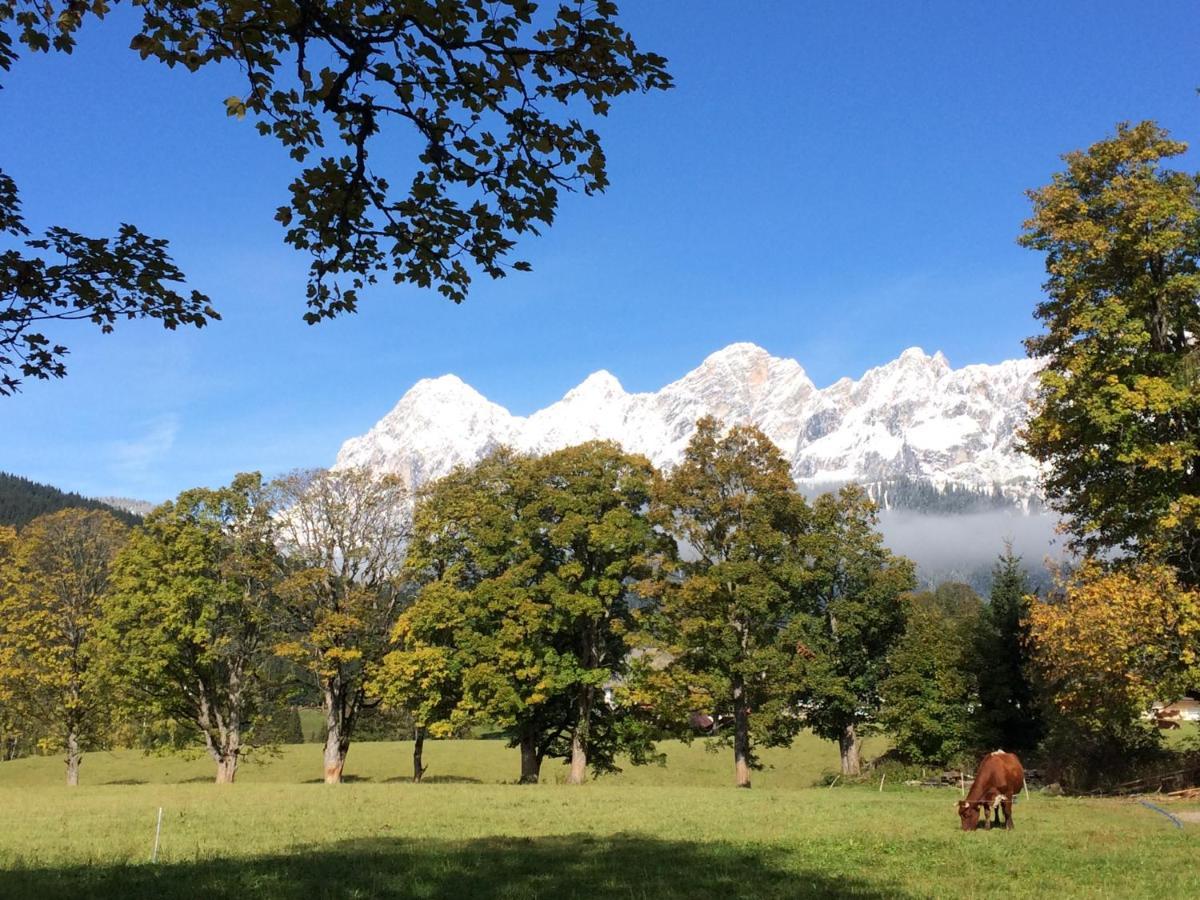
point(418, 751)
point(335, 756)
point(579, 738)
point(531, 759)
point(225, 747)
point(741, 736)
point(850, 746)
point(221, 725)
point(74, 758)
point(337, 737)
point(227, 768)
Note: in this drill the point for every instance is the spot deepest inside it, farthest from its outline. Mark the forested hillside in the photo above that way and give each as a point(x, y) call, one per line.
point(22, 500)
point(918, 495)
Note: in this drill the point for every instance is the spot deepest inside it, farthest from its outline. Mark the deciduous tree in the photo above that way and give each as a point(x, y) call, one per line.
point(1109, 643)
point(854, 616)
point(526, 610)
point(50, 613)
point(424, 680)
point(476, 617)
point(932, 685)
point(597, 541)
point(724, 617)
point(189, 618)
point(1118, 410)
point(343, 535)
point(13, 727)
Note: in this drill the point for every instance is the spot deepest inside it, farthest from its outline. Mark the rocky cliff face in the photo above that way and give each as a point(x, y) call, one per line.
point(913, 419)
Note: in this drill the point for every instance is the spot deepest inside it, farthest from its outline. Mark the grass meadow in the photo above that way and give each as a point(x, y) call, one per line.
point(673, 831)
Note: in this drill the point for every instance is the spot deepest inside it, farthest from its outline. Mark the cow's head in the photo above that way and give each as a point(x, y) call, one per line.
point(969, 813)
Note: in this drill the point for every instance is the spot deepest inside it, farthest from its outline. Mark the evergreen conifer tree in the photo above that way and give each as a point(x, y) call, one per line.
point(1009, 714)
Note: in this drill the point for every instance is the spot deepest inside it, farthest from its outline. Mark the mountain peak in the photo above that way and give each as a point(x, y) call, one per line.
point(918, 355)
point(599, 384)
point(448, 383)
point(911, 418)
point(445, 390)
point(737, 352)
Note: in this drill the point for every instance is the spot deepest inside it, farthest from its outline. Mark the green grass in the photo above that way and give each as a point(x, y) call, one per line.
point(678, 831)
point(485, 761)
point(1185, 735)
point(312, 724)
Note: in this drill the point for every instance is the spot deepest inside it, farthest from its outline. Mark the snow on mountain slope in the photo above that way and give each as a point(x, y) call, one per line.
point(913, 418)
point(439, 424)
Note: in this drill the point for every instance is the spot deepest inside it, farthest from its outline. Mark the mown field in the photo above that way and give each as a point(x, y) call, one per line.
point(677, 831)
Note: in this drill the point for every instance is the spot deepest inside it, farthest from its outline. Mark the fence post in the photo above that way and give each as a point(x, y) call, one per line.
point(157, 832)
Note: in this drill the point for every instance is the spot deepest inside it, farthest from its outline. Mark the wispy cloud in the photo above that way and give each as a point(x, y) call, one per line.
point(135, 458)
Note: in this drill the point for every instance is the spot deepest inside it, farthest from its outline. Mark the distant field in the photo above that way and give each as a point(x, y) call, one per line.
point(489, 762)
point(678, 831)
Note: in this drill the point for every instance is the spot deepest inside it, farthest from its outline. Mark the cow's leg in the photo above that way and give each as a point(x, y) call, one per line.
point(987, 816)
point(1008, 822)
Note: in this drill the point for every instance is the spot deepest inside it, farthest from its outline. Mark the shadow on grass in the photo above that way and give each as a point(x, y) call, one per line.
point(346, 779)
point(433, 779)
point(563, 866)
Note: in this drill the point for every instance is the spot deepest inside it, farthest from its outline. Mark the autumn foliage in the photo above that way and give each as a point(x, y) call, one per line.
point(1106, 646)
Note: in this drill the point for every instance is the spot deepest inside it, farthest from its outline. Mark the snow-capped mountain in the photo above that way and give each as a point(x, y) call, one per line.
point(914, 418)
point(129, 504)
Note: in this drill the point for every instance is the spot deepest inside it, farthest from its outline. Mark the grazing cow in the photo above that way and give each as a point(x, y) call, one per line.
point(1166, 718)
point(998, 777)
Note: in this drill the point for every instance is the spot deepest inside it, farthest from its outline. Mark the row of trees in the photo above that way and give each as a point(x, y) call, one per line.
point(197, 621)
point(587, 604)
point(581, 601)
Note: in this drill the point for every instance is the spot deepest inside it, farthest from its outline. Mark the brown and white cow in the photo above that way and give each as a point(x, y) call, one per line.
point(998, 778)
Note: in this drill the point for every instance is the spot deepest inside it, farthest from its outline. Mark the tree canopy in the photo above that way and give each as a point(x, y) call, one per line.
point(53, 578)
point(853, 617)
point(1106, 645)
point(932, 679)
point(526, 610)
point(1117, 417)
point(1009, 712)
point(343, 536)
point(486, 98)
point(63, 276)
point(740, 522)
point(190, 616)
point(22, 501)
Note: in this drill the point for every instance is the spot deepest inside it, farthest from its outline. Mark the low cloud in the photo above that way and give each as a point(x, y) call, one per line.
point(964, 547)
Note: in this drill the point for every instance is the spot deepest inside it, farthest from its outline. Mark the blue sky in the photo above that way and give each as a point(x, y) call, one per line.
point(834, 181)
